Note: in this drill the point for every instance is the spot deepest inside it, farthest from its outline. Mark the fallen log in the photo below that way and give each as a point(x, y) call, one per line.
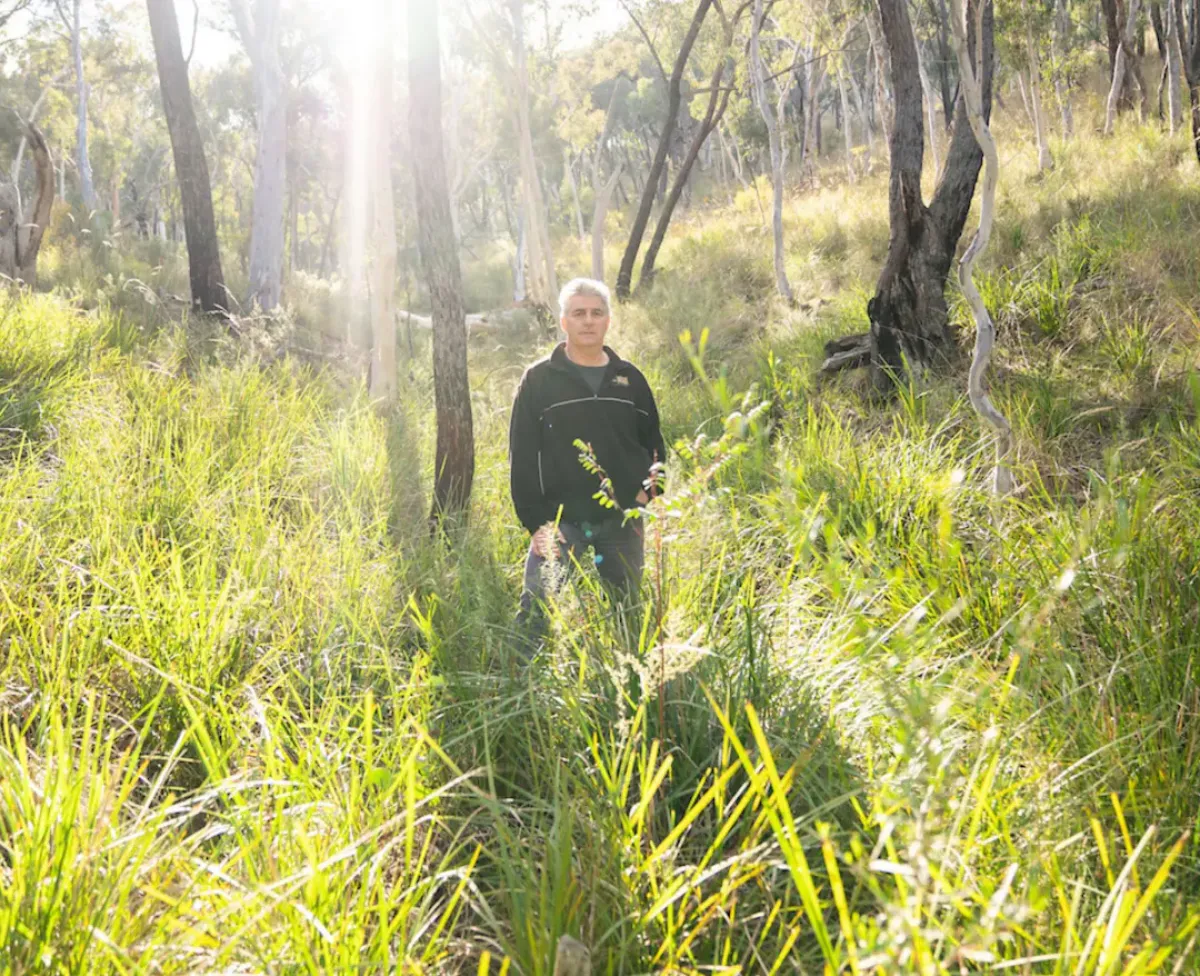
point(498, 318)
point(848, 352)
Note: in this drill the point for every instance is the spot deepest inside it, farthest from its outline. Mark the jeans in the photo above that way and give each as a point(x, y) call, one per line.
point(617, 555)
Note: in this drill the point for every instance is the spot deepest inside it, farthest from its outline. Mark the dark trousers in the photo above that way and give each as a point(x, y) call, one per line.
point(617, 553)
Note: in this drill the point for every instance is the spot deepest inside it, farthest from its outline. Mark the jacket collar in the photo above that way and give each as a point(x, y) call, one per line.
point(559, 360)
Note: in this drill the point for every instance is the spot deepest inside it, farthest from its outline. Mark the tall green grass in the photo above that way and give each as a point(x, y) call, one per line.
point(869, 717)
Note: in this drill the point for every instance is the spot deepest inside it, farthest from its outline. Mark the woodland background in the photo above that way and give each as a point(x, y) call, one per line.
point(914, 689)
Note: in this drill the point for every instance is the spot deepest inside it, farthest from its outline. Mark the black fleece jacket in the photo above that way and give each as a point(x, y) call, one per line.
point(554, 407)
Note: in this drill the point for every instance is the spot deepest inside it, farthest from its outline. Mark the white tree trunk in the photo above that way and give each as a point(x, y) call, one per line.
point(1024, 97)
point(383, 226)
point(1045, 160)
point(1174, 66)
point(985, 330)
point(815, 79)
point(352, 239)
point(541, 258)
point(602, 192)
point(519, 291)
point(599, 213)
point(859, 106)
point(775, 140)
point(87, 189)
point(847, 131)
point(883, 71)
point(735, 161)
point(260, 35)
point(569, 167)
point(930, 111)
point(454, 162)
point(1060, 48)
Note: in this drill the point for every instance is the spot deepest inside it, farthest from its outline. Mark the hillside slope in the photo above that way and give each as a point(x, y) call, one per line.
point(252, 720)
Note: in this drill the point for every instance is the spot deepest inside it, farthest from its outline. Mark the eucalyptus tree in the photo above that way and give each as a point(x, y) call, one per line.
point(721, 84)
point(259, 30)
point(1125, 65)
point(21, 232)
point(970, 71)
point(191, 168)
point(908, 313)
point(666, 134)
point(454, 465)
point(1188, 31)
point(72, 21)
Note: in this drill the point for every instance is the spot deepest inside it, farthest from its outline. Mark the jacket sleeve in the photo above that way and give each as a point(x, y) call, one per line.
point(650, 433)
point(524, 444)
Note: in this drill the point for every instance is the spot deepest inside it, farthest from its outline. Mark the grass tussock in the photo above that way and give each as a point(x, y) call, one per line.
point(868, 718)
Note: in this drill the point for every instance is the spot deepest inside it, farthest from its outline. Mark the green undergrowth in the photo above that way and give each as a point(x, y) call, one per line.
point(867, 718)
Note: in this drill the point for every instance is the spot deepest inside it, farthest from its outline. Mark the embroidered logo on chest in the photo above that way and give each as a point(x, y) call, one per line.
point(620, 381)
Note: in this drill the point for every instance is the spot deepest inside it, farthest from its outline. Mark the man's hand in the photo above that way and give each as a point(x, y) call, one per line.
point(543, 537)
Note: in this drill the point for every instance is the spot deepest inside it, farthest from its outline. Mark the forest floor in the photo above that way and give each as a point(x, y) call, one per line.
point(875, 719)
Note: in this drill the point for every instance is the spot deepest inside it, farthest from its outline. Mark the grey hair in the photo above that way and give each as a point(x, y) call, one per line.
point(584, 286)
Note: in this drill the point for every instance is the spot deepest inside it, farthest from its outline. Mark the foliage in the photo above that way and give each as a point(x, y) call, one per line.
point(865, 718)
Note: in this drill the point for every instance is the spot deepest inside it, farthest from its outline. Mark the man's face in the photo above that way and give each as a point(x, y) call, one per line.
point(585, 321)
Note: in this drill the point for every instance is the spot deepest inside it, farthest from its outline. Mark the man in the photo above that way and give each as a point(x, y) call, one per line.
point(583, 391)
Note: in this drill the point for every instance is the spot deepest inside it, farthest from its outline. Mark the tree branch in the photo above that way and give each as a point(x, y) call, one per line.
point(245, 29)
point(63, 16)
point(649, 43)
point(187, 62)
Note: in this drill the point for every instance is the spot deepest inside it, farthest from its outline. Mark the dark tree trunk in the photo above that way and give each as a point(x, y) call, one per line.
point(674, 98)
point(454, 469)
point(718, 101)
point(191, 169)
point(1112, 31)
point(29, 235)
point(1191, 63)
point(908, 311)
point(1156, 20)
point(1114, 22)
